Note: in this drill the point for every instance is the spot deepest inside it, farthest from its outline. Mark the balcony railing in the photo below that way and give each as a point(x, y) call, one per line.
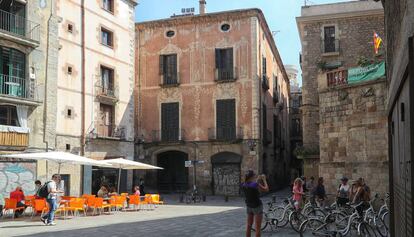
point(168, 135)
point(170, 80)
point(17, 87)
point(337, 78)
point(108, 90)
point(267, 137)
point(225, 74)
point(111, 131)
point(330, 46)
point(14, 139)
point(225, 133)
point(265, 82)
point(19, 26)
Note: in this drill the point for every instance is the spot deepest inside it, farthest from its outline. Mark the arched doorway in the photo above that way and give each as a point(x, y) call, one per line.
point(174, 176)
point(226, 173)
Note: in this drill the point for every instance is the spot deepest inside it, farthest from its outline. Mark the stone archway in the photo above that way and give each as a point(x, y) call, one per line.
point(174, 177)
point(226, 173)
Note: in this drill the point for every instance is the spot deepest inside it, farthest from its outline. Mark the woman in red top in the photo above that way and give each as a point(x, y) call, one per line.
point(18, 195)
point(297, 193)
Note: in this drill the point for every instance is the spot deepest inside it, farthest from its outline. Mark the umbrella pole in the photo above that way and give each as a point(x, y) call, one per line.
point(59, 168)
point(119, 179)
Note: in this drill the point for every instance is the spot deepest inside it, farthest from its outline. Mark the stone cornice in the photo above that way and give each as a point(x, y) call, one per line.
point(217, 17)
point(305, 19)
point(134, 2)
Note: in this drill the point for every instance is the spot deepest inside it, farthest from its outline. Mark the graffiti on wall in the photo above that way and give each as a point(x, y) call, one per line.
point(226, 179)
point(17, 174)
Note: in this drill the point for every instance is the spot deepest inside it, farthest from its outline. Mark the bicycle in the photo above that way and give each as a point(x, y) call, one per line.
point(268, 220)
point(193, 196)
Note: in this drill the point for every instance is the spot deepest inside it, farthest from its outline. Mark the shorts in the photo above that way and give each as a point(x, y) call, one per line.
point(255, 210)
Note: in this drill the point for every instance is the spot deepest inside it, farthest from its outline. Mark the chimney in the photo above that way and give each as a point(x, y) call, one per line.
point(203, 7)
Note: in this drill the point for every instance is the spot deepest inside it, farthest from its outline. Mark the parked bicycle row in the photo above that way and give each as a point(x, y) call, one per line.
point(349, 212)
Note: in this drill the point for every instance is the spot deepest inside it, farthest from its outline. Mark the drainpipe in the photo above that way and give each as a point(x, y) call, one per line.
point(82, 139)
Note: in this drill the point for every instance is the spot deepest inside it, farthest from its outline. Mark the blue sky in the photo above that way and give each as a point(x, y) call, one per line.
point(280, 15)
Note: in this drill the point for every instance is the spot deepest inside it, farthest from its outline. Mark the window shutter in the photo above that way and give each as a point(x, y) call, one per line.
point(229, 59)
point(170, 121)
point(225, 119)
point(161, 65)
point(174, 66)
point(218, 58)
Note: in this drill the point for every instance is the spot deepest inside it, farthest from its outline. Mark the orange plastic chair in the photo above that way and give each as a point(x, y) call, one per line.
point(76, 205)
point(39, 205)
point(29, 202)
point(11, 206)
point(149, 202)
point(99, 205)
point(90, 201)
point(124, 194)
point(134, 200)
point(117, 202)
point(156, 199)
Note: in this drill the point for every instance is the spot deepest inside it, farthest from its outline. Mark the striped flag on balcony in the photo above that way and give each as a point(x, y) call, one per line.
point(377, 42)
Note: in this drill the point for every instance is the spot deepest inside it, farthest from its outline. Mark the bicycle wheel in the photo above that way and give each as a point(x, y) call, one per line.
point(264, 224)
point(281, 215)
point(382, 229)
point(312, 225)
point(337, 219)
point(197, 198)
point(296, 219)
point(386, 218)
point(365, 230)
point(188, 199)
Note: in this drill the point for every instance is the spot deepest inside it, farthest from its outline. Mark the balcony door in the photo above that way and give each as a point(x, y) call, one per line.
point(226, 119)
point(106, 121)
point(12, 72)
point(170, 122)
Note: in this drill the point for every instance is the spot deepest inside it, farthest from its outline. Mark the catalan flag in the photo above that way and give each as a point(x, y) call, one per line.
point(377, 42)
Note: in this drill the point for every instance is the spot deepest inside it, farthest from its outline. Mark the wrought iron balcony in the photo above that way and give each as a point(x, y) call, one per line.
point(19, 26)
point(17, 87)
point(267, 137)
point(106, 92)
point(265, 82)
point(225, 74)
point(225, 133)
point(168, 135)
point(111, 131)
point(337, 77)
point(330, 46)
point(275, 96)
point(170, 80)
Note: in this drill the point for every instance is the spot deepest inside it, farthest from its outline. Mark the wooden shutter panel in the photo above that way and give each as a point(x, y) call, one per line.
point(229, 59)
point(225, 119)
point(174, 66)
point(170, 121)
point(218, 58)
point(161, 65)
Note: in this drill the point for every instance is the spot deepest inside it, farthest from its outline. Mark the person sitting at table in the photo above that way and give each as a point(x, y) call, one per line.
point(113, 192)
point(18, 195)
point(136, 190)
point(103, 192)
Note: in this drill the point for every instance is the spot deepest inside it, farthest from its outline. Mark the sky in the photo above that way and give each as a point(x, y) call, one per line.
point(280, 16)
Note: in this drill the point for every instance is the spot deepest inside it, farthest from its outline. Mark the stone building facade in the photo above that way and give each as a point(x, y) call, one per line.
point(210, 88)
point(95, 106)
point(399, 25)
point(28, 82)
point(344, 125)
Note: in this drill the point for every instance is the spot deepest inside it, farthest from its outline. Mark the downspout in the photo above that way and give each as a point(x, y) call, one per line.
point(82, 138)
point(45, 110)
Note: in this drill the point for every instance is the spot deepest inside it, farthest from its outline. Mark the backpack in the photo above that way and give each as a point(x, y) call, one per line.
point(43, 191)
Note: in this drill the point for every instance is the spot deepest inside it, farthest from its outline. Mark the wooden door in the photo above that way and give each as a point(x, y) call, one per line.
point(106, 120)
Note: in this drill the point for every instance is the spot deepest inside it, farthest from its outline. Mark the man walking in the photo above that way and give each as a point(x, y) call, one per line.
point(48, 219)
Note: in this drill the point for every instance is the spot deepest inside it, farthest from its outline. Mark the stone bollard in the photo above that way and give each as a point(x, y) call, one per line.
point(226, 198)
point(204, 197)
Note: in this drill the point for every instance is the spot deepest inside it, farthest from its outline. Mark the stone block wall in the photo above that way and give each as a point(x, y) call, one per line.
point(353, 128)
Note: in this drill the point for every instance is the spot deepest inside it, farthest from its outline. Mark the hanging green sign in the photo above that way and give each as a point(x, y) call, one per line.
point(368, 73)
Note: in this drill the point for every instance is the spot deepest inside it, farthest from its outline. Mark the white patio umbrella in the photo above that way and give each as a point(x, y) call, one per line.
point(125, 164)
point(58, 157)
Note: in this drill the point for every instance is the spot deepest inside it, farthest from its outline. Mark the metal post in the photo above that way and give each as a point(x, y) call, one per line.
point(119, 179)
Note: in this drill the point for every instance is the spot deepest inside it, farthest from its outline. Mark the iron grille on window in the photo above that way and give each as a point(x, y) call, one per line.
point(224, 65)
point(330, 43)
point(168, 69)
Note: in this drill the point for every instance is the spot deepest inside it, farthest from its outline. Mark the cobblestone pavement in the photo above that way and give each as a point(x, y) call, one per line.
point(212, 218)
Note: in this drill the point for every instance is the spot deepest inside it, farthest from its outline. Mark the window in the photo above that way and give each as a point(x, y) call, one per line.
point(8, 116)
point(168, 69)
point(70, 28)
point(225, 27)
point(170, 121)
point(296, 128)
point(68, 147)
point(69, 113)
point(170, 33)
point(108, 5)
point(107, 37)
point(265, 79)
point(107, 81)
point(226, 119)
point(330, 43)
point(69, 70)
point(224, 64)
